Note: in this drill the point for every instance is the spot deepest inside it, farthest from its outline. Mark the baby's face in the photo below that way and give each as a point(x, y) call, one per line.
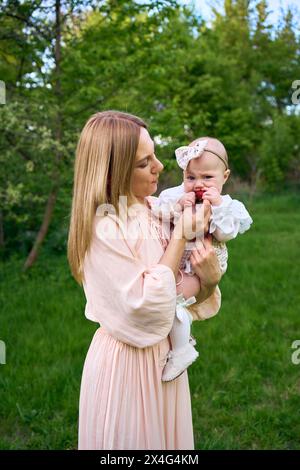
point(205, 171)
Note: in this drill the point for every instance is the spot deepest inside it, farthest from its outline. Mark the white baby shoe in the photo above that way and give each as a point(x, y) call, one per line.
point(178, 361)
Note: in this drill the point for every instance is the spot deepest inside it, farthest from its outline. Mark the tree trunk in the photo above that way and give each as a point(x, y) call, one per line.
point(58, 136)
point(43, 230)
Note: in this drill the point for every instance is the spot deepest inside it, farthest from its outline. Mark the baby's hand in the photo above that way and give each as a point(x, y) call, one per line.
point(188, 199)
point(213, 196)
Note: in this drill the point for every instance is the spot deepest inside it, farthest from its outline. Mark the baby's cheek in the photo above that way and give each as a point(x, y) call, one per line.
point(188, 186)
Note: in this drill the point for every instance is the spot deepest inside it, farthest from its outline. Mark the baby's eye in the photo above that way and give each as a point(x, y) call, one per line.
point(208, 176)
point(190, 177)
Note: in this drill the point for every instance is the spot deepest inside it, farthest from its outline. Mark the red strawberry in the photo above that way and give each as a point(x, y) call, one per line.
point(199, 194)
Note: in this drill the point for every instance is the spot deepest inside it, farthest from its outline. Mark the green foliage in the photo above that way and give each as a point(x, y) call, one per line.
point(231, 79)
point(277, 149)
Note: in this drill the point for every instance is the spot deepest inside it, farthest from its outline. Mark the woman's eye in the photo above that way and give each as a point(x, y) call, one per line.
point(144, 166)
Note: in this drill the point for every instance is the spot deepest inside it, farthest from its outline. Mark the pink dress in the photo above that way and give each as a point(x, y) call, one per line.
point(123, 402)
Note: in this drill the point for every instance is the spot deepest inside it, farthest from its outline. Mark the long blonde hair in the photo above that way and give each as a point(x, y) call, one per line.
point(105, 159)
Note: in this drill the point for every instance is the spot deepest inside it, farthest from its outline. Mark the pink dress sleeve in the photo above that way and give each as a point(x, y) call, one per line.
point(208, 308)
point(133, 300)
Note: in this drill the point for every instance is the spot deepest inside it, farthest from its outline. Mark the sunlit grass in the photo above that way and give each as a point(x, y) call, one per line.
point(245, 389)
point(244, 386)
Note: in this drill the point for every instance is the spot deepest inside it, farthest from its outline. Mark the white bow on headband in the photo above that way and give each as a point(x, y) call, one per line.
point(185, 154)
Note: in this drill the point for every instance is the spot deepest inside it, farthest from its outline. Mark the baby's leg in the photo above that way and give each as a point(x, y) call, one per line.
point(190, 285)
point(183, 353)
point(181, 331)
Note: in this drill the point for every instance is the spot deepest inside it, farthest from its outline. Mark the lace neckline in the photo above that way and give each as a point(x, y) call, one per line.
point(155, 225)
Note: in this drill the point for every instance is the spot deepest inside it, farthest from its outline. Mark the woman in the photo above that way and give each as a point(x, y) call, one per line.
point(128, 269)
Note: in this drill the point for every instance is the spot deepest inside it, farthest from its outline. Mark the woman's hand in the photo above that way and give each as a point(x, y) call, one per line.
point(205, 264)
point(193, 222)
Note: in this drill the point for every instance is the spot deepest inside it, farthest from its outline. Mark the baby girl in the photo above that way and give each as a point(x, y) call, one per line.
point(205, 170)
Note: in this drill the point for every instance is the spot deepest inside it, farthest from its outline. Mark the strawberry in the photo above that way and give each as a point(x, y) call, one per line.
point(199, 194)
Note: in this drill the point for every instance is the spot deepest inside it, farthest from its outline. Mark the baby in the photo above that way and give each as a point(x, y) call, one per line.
point(205, 170)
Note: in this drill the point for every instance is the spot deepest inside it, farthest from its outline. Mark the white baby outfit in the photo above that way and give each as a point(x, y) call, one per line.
point(226, 221)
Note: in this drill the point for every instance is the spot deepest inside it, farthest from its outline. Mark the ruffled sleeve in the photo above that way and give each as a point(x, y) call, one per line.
point(228, 219)
point(171, 194)
point(208, 308)
point(164, 207)
point(135, 303)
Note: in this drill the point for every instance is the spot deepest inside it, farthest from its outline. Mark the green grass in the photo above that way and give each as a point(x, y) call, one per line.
point(245, 389)
point(47, 337)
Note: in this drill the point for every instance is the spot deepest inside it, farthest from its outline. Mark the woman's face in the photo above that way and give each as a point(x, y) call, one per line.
point(147, 168)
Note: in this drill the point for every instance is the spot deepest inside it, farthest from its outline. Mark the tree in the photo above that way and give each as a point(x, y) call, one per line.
point(47, 90)
point(63, 61)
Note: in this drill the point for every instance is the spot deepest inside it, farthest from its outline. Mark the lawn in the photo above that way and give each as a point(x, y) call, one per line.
point(244, 387)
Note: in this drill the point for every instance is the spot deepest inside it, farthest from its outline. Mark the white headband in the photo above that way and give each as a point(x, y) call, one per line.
point(185, 154)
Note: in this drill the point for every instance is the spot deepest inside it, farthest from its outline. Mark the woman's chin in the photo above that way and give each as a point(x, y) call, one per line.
point(152, 190)
point(154, 186)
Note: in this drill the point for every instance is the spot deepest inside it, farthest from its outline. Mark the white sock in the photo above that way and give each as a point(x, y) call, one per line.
point(180, 332)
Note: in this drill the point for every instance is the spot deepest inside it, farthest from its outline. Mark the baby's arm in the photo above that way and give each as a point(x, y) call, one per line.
point(228, 216)
point(229, 219)
point(166, 206)
point(171, 202)
point(187, 199)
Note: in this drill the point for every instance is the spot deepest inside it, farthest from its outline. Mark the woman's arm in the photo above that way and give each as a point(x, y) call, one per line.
point(173, 253)
point(183, 228)
point(204, 293)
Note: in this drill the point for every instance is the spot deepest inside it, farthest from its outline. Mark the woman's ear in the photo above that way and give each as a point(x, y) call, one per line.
point(226, 175)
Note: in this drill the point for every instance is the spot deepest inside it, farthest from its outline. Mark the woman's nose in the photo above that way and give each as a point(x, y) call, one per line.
point(159, 166)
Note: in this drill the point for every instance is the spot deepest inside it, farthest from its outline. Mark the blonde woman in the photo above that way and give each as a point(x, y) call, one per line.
point(127, 263)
